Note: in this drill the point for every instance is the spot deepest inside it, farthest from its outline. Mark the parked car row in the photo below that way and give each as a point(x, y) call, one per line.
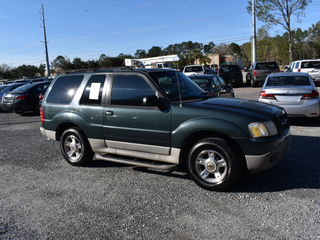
point(293, 90)
point(22, 97)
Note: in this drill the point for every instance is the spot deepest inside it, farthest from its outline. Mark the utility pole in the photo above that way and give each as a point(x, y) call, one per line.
point(45, 41)
point(254, 37)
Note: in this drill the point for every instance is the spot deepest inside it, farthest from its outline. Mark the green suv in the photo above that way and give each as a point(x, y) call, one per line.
point(159, 118)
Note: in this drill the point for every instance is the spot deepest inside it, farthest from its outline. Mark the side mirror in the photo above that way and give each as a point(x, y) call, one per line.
point(154, 101)
point(150, 100)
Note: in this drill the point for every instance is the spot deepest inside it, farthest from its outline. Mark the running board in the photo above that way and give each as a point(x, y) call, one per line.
point(136, 162)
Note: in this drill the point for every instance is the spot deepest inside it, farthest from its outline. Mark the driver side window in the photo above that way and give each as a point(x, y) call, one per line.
point(129, 90)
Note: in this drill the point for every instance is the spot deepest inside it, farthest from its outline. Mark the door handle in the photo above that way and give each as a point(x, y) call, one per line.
point(109, 112)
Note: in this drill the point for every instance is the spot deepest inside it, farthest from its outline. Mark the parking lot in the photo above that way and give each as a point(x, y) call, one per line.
point(43, 197)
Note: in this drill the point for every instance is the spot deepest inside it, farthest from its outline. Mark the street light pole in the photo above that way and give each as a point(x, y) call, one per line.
point(254, 38)
point(45, 42)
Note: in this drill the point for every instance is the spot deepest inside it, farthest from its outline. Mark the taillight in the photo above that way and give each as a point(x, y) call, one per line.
point(279, 70)
point(255, 73)
point(263, 95)
point(20, 97)
point(299, 70)
point(40, 97)
point(313, 95)
point(41, 115)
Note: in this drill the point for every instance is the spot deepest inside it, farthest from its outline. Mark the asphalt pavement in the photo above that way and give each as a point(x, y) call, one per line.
point(43, 197)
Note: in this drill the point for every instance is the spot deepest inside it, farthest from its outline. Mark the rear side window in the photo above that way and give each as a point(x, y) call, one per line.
point(297, 65)
point(64, 89)
point(130, 90)
point(93, 92)
point(43, 88)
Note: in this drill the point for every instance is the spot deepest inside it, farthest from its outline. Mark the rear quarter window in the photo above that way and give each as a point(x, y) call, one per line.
point(311, 64)
point(64, 89)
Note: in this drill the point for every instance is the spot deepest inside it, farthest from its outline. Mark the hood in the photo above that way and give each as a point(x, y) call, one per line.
point(234, 104)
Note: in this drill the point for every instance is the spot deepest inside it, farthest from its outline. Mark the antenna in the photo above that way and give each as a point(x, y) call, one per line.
point(45, 40)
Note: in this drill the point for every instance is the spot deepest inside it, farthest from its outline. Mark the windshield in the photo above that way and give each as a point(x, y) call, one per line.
point(230, 68)
point(171, 81)
point(267, 65)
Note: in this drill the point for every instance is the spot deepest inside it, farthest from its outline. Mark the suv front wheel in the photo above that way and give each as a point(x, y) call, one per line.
point(213, 165)
point(75, 147)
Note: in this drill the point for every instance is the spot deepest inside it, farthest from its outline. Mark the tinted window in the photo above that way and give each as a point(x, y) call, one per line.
point(289, 81)
point(129, 90)
point(23, 88)
point(221, 81)
point(43, 88)
point(193, 69)
point(311, 64)
point(64, 89)
point(267, 65)
point(216, 82)
point(230, 68)
point(173, 83)
point(93, 91)
point(202, 82)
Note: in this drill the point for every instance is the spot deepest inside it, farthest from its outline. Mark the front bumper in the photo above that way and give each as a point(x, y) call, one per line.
point(258, 163)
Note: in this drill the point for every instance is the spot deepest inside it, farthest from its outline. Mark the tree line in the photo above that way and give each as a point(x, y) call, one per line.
point(305, 45)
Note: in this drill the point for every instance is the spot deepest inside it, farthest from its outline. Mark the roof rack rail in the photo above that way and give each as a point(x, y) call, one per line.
point(123, 68)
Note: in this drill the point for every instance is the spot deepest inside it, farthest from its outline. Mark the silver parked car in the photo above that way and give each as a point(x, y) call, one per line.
point(295, 92)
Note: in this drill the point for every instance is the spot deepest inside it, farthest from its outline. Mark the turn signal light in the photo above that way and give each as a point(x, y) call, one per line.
point(41, 115)
point(20, 97)
point(313, 95)
point(263, 95)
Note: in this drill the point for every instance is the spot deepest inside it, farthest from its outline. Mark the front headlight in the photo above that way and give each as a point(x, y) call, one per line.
point(262, 129)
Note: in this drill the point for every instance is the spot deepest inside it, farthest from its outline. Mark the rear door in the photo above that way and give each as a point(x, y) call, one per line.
point(128, 124)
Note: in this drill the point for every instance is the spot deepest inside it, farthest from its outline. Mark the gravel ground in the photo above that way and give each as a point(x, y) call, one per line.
point(43, 197)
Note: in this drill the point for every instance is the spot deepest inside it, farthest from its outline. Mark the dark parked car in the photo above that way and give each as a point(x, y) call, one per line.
point(258, 71)
point(8, 88)
point(231, 74)
point(210, 71)
point(214, 85)
point(24, 98)
point(159, 118)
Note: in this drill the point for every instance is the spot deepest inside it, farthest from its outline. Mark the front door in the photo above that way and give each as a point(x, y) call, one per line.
point(128, 124)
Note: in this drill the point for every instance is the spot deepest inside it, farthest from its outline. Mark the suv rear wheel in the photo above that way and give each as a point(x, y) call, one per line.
point(213, 165)
point(75, 147)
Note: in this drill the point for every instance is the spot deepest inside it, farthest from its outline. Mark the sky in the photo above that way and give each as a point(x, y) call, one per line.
point(88, 28)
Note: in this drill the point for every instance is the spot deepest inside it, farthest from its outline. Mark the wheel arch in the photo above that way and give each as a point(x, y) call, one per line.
point(64, 126)
point(195, 137)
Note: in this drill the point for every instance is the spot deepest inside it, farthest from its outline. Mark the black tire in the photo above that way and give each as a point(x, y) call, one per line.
point(248, 79)
point(75, 147)
point(19, 112)
point(213, 165)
